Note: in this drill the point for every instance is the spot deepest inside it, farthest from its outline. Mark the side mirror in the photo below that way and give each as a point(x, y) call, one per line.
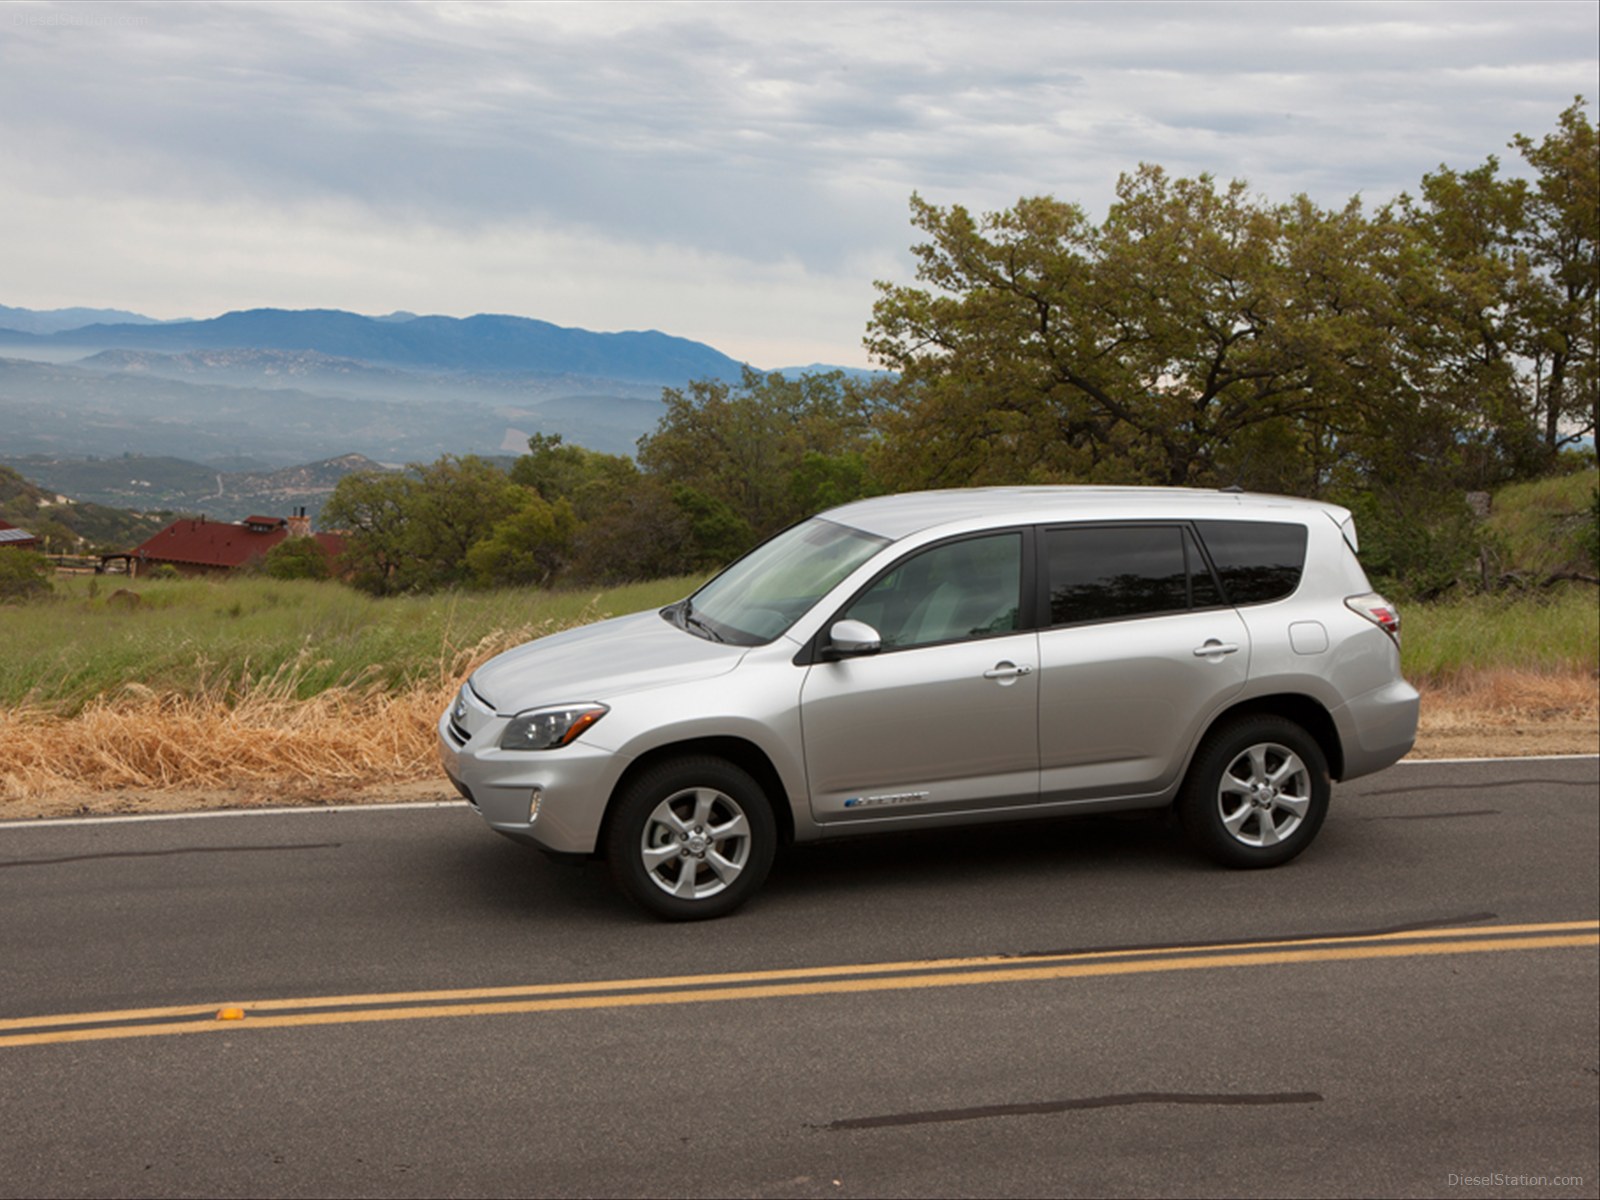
point(848, 639)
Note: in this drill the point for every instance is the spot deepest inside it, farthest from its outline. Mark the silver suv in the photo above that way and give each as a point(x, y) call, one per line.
point(946, 658)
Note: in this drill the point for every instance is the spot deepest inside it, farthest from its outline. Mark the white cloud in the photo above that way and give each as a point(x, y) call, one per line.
point(732, 172)
point(331, 255)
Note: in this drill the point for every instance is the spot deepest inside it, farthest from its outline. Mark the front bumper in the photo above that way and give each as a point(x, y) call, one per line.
point(573, 785)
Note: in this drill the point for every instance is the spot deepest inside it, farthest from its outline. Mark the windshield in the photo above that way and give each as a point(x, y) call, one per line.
point(769, 589)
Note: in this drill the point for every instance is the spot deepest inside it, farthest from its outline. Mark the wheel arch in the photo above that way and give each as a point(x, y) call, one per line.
point(1303, 710)
point(744, 754)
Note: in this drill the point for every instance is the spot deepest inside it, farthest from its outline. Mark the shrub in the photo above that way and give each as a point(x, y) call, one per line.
point(24, 576)
point(296, 558)
point(1416, 544)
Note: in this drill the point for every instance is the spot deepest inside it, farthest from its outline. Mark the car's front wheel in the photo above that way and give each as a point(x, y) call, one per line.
point(1257, 792)
point(691, 838)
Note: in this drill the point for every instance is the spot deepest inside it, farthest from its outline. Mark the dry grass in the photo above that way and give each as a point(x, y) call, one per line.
point(1510, 697)
point(1508, 711)
point(348, 736)
point(227, 745)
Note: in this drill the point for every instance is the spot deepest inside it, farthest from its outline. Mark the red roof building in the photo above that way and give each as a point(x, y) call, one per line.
point(12, 538)
point(202, 547)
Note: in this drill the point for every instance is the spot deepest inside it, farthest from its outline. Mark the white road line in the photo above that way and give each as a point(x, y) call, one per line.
point(230, 812)
point(1429, 762)
point(301, 810)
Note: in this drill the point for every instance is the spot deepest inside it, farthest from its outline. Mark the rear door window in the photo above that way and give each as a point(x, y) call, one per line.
point(1107, 573)
point(1257, 561)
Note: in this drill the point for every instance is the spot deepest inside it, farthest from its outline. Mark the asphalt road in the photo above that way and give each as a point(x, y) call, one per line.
point(1062, 1008)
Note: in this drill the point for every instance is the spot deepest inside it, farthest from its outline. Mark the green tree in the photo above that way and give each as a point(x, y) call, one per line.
point(371, 509)
point(1561, 239)
point(587, 479)
point(742, 444)
point(413, 531)
point(1196, 327)
point(642, 534)
point(1462, 284)
point(653, 529)
point(527, 547)
point(455, 503)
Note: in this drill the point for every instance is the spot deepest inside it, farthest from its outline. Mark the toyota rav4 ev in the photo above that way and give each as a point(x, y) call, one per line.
point(946, 658)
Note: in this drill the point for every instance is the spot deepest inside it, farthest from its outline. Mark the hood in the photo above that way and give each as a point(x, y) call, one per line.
point(599, 661)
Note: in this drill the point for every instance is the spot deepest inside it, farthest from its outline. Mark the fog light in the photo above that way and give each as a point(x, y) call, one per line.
point(533, 804)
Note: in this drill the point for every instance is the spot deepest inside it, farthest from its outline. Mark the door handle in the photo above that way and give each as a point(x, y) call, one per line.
point(1213, 646)
point(1007, 670)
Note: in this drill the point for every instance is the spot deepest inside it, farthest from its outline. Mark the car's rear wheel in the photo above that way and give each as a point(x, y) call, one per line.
point(1257, 792)
point(691, 838)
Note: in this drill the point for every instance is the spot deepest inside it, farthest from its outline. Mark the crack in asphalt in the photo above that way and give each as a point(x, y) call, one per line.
point(1469, 787)
point(1121, 1100)
point(72, 858)
point(1474, 918)
point(1466, 812)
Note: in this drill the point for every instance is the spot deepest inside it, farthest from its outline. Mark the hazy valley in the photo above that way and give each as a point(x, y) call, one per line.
point(266, 410)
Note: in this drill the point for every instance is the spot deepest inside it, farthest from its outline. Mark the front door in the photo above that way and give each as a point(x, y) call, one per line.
point(944, 718)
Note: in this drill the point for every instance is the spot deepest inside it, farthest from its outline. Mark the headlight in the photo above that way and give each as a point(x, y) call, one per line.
point(548, 728)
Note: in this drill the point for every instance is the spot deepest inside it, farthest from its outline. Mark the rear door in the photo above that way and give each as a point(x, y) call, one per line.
point(1138, 654)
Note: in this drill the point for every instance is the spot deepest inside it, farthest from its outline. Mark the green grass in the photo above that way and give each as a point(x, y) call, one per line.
point(1555, 632)
point(193, 637)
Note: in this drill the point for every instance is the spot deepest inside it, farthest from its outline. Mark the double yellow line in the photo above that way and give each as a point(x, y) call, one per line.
point(764, 985)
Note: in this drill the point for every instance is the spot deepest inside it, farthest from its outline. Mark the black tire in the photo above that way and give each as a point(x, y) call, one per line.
point(691, 838)
point(1256, 793)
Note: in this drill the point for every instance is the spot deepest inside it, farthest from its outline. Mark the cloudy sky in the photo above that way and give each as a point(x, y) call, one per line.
point(733, 173)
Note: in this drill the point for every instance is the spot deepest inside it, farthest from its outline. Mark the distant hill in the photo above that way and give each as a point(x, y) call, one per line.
point(60, 519)
point(480, 343)
point(326, 374)
point(66, 411)
point(258, 368)
point(27, 320)
point(168, 484)
point(275, 387)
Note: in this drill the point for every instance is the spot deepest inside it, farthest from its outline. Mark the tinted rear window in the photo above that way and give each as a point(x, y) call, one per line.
point(1101, 573)
point(1256, 560)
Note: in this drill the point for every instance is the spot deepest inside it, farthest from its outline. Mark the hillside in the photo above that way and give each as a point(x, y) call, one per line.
point(171, 484)
point(63, 520)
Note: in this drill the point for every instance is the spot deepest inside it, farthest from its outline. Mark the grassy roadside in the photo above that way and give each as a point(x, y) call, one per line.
point(1506, 678)
point(254, 691)
point(222, 641)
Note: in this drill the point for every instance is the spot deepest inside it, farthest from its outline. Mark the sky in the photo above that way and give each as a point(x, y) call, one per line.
point(733, 173)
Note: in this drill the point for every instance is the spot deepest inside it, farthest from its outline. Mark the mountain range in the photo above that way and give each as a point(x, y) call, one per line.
point(270, 388)
point(28, 320)
point(435, 344)
point(278, 388)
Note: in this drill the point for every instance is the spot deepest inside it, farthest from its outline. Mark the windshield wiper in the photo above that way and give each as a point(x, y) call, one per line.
point(682, 615)
point(706, 631)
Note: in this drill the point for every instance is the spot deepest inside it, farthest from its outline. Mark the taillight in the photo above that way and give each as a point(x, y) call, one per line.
point(1377, 610)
